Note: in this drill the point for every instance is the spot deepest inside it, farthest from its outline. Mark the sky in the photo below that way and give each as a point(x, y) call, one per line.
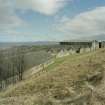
point(50, 20)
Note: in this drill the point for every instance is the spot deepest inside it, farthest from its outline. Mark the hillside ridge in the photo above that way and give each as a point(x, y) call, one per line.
point(62, 81)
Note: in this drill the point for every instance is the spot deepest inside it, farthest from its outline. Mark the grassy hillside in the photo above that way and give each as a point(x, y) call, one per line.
point(61, 83)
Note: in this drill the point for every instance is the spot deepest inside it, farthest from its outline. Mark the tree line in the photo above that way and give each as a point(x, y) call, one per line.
point(11, 65)
point(13, 61)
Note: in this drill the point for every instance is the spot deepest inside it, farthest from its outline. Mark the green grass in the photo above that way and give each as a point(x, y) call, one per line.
point(56, 63)
point(59, 61)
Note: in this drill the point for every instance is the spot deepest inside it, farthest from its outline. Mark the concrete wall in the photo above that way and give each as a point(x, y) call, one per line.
point(72, 51)
point(95, 45)
point(82, 46)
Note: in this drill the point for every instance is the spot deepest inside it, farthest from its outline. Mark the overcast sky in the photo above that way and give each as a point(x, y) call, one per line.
point(53, 20)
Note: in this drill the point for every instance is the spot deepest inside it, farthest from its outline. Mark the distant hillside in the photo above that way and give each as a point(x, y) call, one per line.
point(68, 81)
point(12, 44)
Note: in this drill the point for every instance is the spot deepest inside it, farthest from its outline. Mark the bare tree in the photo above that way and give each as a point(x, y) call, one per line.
point(20, 64)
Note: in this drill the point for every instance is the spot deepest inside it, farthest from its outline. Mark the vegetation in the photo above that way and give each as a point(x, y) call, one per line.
point(64, 81)
point(14, 61)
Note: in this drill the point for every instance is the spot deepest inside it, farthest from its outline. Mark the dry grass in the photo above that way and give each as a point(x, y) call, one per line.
point(64, 79)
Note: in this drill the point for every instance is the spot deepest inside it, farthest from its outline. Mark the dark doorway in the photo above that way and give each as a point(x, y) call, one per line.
point(100, 44)
point(78, 50)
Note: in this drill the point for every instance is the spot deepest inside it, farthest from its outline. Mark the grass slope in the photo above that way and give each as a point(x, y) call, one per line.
point(65, 79)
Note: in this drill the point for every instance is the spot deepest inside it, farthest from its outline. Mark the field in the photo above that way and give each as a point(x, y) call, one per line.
point(73, 80)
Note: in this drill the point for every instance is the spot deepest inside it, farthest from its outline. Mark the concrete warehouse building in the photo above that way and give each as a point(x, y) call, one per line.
point(81, 46)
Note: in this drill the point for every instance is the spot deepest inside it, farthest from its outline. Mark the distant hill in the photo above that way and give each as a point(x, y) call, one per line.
point(12, 44)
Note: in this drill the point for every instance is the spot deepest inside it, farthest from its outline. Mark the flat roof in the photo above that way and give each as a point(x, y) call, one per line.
point(72, 41)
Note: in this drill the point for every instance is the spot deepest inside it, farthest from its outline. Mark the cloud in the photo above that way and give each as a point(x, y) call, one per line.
point(47, 7)
point(89, 23)
point(9, 21)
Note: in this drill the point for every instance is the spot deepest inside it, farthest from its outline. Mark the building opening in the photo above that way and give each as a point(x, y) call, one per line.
point(100, 44)
point(78, 50)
